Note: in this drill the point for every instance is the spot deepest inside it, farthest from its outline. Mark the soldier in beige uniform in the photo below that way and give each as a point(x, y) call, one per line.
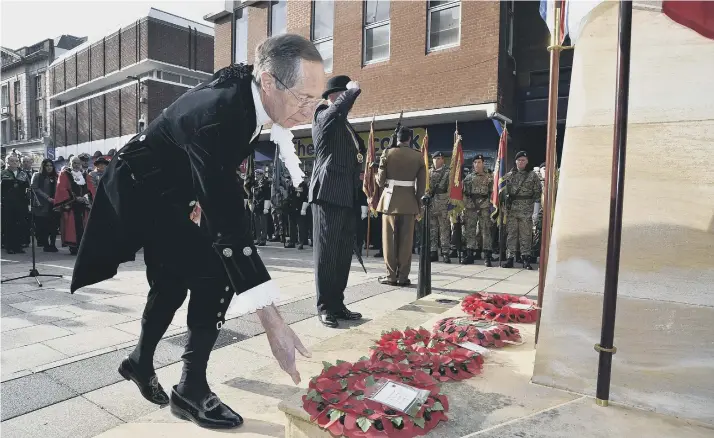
point(440, 224)
point(400, 203)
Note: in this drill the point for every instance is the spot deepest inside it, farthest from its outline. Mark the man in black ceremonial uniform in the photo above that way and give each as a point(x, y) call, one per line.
point(261, 206)
point(172, 191)
point(339, 154)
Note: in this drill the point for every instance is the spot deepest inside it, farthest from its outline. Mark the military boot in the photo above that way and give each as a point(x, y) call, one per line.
point(453, 253)
point(527, 263)
point(445, 258)
point(469, 259)
point(434, 256)
point(508, 263)
point(487, 258)
point(477, 254)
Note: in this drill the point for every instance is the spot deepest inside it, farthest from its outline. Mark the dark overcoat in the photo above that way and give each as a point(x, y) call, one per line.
point(189, 154)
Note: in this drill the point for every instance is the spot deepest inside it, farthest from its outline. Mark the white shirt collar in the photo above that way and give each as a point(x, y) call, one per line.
point(261, 116)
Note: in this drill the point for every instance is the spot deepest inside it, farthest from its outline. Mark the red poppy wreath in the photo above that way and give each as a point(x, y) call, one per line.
point(336, 401)
point(501, 307)
point(421, 350)
point(479, 331)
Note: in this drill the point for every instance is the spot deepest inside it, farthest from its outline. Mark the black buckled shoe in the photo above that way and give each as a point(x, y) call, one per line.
point(346, 315)
point(404, 283)
point(301, 246)
point(210, 412)
point(328, 320)
point(149, 387)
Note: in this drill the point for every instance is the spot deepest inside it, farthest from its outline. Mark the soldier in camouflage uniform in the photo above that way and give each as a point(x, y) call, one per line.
point(523, 189)
point(440, 225)
point(478, 186)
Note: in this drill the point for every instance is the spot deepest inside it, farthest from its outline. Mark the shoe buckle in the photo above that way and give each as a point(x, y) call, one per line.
point(211, 402)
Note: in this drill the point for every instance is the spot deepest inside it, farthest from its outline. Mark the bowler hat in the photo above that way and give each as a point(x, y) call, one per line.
point(336, 84)
point(101, 160)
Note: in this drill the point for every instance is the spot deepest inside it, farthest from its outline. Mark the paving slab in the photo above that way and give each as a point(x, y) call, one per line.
point(85, 341)
point(73, 418)
point(31, 335)
point(26, 358)
point(33, 318)
point(30, 393)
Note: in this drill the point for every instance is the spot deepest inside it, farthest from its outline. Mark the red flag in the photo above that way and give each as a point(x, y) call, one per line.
point(456, 186)
point(696, 15)
point(369, 185)
point(425, 156)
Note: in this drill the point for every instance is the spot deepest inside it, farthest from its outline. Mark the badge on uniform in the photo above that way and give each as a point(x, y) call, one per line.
point(360, 158)
point(195, 215)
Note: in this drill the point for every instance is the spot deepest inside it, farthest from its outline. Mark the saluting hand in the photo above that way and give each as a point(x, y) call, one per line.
point(352, 84)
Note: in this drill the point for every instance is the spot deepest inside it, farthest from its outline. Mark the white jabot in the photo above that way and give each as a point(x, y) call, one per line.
point(281, 136)
point(78, 177)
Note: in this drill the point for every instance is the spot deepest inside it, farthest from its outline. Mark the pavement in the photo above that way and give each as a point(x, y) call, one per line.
point(60, 351)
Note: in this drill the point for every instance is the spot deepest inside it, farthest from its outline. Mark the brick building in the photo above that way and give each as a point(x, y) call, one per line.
point(24, 95)
point(440, 62)
point(103, 92)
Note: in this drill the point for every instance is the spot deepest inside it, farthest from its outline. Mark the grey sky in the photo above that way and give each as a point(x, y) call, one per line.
point(26, 22)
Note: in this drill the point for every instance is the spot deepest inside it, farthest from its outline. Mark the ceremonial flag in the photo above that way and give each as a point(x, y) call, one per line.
point(425, 155)
point(369, 185)
point(696, 15)
point(456, 187)
point(499, 173)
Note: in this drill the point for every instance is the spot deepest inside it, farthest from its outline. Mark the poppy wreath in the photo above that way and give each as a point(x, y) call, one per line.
point(478, 331)
point(501, 307)
point(336, 401)
point(422, 350)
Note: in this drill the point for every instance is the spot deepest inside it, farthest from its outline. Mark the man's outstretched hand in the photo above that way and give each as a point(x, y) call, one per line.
point(283, 341)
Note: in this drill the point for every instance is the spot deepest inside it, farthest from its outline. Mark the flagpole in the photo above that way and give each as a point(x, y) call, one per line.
point(548, 188)
point(617, 193)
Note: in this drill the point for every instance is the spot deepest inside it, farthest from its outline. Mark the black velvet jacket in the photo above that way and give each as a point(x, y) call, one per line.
point(189, 154)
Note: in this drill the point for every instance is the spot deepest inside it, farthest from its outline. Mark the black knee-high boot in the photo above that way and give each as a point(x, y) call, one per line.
point(193, 384)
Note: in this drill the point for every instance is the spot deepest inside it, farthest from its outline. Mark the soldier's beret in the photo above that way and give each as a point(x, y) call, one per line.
point(521, 154)
point(542, 164)
point(437, 155)
point(479, 157)
point(259, 171)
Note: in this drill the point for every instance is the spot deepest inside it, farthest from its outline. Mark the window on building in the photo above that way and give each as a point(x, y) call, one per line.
point(38, 86)
point(171, 77)
point(4, 134)
point(278, 22)
point(510, 11)
point(241, 35)
point(376, 30)
point(323, 23)
point(18, 97)
point(5, 95)
point(189, 81)
point(40, 126)
point(19, 134)
point(444, 22)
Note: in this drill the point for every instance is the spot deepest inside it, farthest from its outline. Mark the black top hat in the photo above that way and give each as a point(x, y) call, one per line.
point(101, 160)
point(336, 84)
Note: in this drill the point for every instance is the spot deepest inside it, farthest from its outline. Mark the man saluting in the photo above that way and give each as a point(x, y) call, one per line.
point(172, 191)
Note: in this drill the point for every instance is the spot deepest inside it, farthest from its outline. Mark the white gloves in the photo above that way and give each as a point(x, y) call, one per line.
point(245, 203)
point(365, 210)
point(304, 209)
point(266, 207)
point(352, 84)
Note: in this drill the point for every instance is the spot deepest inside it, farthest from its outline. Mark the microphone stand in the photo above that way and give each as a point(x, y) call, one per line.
point(34, 273)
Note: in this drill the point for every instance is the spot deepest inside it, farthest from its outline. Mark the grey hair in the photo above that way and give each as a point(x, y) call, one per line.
point(281, 56)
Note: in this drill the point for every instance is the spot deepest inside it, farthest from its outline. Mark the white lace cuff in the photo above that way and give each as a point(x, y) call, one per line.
point(251, 300)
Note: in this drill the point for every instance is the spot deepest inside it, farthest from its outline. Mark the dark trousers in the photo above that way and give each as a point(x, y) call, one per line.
point(261, 226)
point(302, 227)
point(291, 219)
point(46, 228)
point(207, 306)
point(14, 225)
point(334, 233)
point(375, 238)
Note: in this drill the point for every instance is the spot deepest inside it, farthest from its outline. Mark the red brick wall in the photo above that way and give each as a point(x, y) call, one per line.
point(223, 34)
point(128, 110)
point(83, 67)
point(411, 79)
point(257, 30)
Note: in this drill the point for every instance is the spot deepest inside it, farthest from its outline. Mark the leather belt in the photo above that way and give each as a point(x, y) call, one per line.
point(399, 183)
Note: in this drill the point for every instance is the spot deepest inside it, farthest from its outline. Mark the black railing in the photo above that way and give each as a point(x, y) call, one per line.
point(424, 282)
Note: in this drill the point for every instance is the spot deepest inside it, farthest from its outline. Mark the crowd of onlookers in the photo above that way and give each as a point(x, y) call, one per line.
point(47, 203)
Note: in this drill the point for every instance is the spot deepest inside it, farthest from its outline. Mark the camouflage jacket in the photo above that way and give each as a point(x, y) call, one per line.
point(523, 189)
point(439, 186)
point(477, 190)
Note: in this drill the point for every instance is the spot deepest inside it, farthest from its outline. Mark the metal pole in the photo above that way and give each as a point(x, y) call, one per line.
point(424, 282)
point(617, 193)
point(548, 187)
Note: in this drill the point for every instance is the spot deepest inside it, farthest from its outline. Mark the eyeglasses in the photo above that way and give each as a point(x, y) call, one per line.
point(303, 103)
